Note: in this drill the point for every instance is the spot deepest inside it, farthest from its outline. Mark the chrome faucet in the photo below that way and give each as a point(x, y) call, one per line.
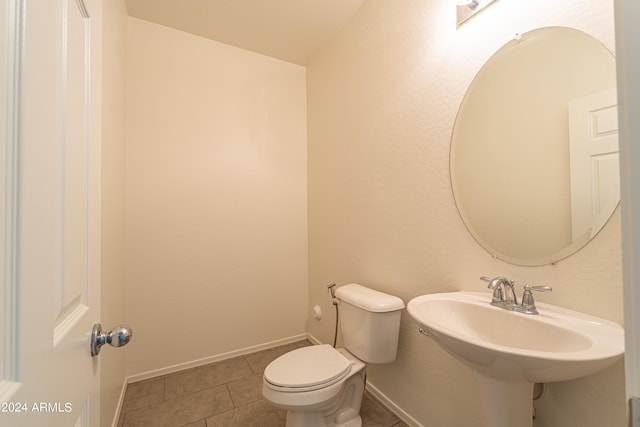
point(504, 295)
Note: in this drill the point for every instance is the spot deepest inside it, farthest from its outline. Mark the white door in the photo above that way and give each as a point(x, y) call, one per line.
point(628, 62)
point(594, 161)
point(50, 207)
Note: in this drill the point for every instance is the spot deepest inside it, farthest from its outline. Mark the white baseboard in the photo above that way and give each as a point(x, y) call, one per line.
point(212, 359)
point(313, 339)
point(406, 418)
point(116, 417)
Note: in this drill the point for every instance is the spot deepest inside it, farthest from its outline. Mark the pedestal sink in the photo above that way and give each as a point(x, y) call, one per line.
point(509, 351)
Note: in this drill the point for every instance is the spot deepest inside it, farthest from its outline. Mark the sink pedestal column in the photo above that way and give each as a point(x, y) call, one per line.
point(505, 403)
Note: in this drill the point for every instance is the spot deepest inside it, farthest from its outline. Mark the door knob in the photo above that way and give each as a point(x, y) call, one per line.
point(116, 337)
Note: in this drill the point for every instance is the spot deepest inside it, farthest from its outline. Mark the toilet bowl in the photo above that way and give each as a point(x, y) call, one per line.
point(320, 386)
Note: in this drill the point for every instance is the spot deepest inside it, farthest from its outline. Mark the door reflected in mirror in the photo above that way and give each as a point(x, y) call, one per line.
point(534, 151)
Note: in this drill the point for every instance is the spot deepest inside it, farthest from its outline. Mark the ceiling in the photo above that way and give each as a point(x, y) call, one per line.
point(291, 30)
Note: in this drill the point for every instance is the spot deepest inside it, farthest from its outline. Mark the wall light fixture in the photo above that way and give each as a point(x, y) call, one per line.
point(465, 9)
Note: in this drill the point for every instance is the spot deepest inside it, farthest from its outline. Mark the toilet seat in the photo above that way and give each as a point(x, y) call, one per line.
point(306, 369)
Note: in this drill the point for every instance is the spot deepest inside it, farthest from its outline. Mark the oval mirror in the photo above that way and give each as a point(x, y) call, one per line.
point(534, 151)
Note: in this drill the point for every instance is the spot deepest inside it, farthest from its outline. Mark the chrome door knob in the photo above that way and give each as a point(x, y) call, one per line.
point(117, 337)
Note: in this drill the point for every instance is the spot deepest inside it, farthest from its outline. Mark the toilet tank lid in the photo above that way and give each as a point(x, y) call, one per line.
point(368, 299)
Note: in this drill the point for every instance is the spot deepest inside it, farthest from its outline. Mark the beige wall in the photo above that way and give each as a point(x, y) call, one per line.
point(113, 363)
point(216, 199)
point(382, 100)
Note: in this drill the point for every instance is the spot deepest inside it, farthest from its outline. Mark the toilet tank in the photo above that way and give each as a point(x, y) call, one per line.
point(370, 322)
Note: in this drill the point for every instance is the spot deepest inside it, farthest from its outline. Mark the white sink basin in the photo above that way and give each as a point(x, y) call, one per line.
point(555, 345)
point(509, 351)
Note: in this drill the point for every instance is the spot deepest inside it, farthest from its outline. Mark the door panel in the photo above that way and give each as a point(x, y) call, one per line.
point(594, 161)
point(74, 125)
point(55, 255)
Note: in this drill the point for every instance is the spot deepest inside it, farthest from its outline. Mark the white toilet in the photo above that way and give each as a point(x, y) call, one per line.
point(320, 386)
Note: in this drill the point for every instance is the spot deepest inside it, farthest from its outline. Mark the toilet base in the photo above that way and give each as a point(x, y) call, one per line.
point(341, 411)
point(297, 419)
point(354, 422)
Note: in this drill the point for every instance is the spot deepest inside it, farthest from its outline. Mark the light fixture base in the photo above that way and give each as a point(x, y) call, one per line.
point(466, 9)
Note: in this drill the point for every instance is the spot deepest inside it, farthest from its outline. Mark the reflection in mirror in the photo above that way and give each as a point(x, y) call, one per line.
point(534, 151)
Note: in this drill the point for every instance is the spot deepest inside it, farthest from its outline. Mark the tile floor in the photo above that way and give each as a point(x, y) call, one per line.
point(222, 394)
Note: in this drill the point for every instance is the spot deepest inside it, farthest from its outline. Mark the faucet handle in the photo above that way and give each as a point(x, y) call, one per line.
point(528, 302)
point(542, 288)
